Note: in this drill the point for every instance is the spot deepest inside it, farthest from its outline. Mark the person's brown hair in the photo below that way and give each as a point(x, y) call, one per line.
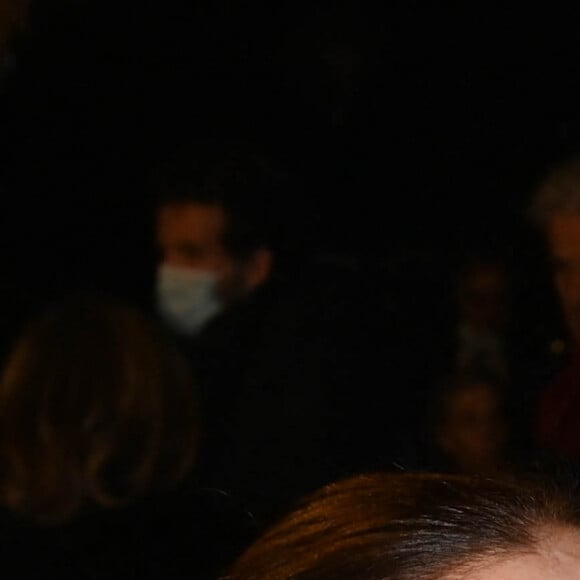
point(405, 527)
point(95, 409)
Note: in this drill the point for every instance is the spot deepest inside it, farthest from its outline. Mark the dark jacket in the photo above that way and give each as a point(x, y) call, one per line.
point(186, 534)
point(290, 383)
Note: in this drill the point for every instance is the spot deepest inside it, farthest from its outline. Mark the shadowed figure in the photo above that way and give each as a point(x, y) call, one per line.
point(99, 431)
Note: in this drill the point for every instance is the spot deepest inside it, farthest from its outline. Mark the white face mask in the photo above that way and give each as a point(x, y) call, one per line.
point(187, 298)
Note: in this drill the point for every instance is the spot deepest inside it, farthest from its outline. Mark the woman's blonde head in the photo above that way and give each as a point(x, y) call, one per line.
point(95, 408)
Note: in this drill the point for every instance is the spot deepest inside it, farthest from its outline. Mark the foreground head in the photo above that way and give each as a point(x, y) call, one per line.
point(422, 527)
point(95, 409)
point(215, 230)
point(556, 209)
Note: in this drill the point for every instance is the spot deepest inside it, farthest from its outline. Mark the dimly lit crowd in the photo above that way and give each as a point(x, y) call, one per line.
point(257, 404)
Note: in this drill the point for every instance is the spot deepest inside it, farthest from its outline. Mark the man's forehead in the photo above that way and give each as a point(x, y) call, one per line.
point(563, 233)
point(188, 219)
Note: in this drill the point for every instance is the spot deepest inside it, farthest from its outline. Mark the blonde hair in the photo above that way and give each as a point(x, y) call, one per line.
point(559, 192)
point(95, 408)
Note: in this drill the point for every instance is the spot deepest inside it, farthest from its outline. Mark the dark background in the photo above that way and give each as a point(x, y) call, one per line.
point(416, 130)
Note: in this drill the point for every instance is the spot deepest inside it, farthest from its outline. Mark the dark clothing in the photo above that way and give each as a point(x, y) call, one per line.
point(558, 428)
point(177, 536)
point(291, 389)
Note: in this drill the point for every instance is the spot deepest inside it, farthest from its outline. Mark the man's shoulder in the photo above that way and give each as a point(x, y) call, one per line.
point(319, 288)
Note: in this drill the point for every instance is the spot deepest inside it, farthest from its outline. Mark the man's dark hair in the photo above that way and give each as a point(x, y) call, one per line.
point(249, 188)
point(406, 527)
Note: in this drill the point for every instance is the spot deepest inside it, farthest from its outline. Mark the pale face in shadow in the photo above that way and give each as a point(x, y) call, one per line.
point(557, 557)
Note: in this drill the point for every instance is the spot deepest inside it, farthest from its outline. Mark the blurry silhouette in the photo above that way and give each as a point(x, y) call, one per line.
point(280, 339)
point(99, 431)
point(482, 298)
point(13, 16)
point(556, 211)
point(471, 431)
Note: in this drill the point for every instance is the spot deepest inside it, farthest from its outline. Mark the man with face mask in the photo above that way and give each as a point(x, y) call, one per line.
point(272, 344)
point(201, 273)
point(556, 210)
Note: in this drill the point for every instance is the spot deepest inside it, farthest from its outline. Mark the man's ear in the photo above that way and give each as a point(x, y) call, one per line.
point(259, 268)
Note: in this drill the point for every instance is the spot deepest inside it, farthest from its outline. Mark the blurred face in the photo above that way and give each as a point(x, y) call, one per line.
point(557, 558)
point(563, 233)
point(12, 16)
point(483, 298)
point(190, 236)
point(474, 434)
